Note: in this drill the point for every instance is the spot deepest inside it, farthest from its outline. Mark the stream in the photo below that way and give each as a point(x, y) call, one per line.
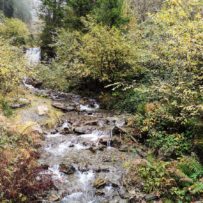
point(84, 153)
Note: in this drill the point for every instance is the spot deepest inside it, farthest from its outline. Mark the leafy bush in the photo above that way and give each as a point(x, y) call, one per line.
point(102, 54)
point(20, 179)
point(169, 145)
point(15, 31)
point(12, 66)
point(7, 111)
point(173, 180)
point(153, 175)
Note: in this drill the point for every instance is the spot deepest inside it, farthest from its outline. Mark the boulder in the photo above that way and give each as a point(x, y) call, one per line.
point(118, 131)
point(93, 122)
point(66, 128)
point(124, 148)
point(151, 197)
point(42, 110)
point(34, 82)
point(99, 183)
point(64, 107)
point(116, 121)
point(68, 170)
point(84, 129)
point(115, 141)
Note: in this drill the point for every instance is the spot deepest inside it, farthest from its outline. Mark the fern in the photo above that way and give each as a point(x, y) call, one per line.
point(197, 188)
point(191, 167)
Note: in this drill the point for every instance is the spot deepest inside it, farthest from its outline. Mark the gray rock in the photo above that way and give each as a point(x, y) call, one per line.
point(151, 197)
point(116, 121)
point(118, 131)
point(34, 82)
point(124, 148)
point(66, 128)
point(84, 129)
point(94, 122)
point(42, 110)
point(22, 102)
point(64, 107)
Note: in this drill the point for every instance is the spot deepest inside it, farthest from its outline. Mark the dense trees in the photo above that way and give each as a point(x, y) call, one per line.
point(69, 15)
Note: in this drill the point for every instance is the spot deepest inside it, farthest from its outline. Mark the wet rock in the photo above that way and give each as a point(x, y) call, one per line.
point(93, 149)
point(92, 123)
point(104, 141)
point(66, 128)
point(101, 169)
point(64, 107)
point(119, 122)
point(99, 183)
point(122, 193)
point(107, 159)
point(42, 110)
point(45, 166)
point(100, 193)
point(20, 103)
point(84, 129)
point(137, 197)
point(54, 131)
point(102, 123)
point(118, 131)
point(124, 148)
point(68, 170)
point(34, 82)
point(99, 147)
point(118, 200)
point(116, 142)
point(151, 197)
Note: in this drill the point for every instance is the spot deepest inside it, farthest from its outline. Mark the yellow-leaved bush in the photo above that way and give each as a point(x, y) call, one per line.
point(12, 66)
point(14, 30)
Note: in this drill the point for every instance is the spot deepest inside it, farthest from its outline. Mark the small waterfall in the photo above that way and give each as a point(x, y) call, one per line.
point(110, 139)
point(33, 56)
point(35, 23)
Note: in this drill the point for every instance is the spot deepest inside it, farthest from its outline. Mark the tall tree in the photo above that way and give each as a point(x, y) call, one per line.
point(110, 12)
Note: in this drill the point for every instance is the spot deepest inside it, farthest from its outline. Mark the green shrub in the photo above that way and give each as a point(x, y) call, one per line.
point(7, 111)
point(12, 66)
point(15, 31)
point(172, 180)
point(169, 145)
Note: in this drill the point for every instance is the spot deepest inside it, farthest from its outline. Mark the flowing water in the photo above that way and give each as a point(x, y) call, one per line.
point(84, 162)
point(33, 56)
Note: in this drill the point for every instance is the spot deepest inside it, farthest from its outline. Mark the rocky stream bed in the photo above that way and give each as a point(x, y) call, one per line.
point(85, 153)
